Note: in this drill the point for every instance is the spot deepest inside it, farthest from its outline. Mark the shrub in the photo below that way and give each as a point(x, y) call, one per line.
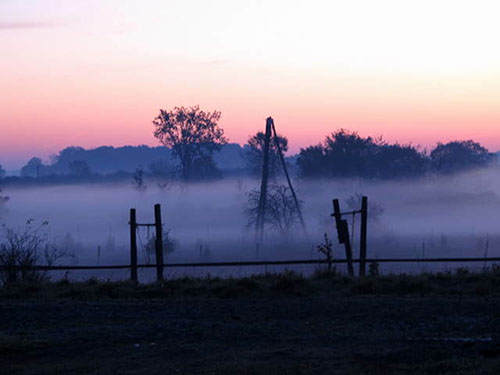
point(20, 250)
point(169, 245)
point(327, 250)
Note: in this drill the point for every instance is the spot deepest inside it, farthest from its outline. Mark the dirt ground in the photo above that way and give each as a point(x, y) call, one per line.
point(288, 335)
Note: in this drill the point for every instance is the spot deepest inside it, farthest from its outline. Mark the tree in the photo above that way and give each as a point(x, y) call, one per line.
point(459, 155)
point(348, 154)
point(399, 161)
point(160, 169)
point(281, 212)
point(79, 168)
point(193, 135)
point(254, 153)
point(138, 179)
point(342, 154)
point(311, 162)
point(34, 168)
point(2, 172)
point(169, 245)
point(25, 248)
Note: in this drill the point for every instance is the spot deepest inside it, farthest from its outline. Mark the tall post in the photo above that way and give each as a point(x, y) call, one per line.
point(363, 235)
point(133, 245)
point(348, 248)
point(259, 224)
point(336, 214)
point(159, 243)
point(343, 235)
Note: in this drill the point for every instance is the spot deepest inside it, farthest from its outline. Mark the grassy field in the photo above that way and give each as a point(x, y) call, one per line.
point(461, 282)
point(445, 323)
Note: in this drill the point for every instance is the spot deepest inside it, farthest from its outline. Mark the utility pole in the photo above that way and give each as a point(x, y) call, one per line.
point(259, 225)
point(261, 213)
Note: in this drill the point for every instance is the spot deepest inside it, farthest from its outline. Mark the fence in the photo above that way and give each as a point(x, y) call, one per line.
point(134, 267)
point(160, 265)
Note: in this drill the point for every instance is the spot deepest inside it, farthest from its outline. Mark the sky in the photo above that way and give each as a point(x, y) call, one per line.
point(93, 73)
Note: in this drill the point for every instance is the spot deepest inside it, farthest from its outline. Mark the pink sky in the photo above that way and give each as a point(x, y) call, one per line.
point(96, 73)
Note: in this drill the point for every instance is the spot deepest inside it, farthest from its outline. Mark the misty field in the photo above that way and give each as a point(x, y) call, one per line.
point(451, 216)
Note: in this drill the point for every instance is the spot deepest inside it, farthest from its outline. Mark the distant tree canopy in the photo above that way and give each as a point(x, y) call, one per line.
point(347, 154)
point(160, 168)
point(79, 168)
point(454, 156)
point(193, 136)
point(34, 168)
point(254, 153)
point(197, 139)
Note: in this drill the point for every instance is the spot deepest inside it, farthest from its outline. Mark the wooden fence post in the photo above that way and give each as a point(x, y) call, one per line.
point(336, 215)
point(159, 243)
point(363, 240)
point(133, 245)
point(348, 248)
point(343, 235)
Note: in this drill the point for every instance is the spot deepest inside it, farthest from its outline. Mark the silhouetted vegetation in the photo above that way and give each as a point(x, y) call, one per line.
point(169, 245)
point(79, 168)
point(34, 168)
point(193, 136)
point(456, 156)
point(107, 159)
point(281, 212)
point(461, 282)
point(161, 169)
point(341, 154)
point(326, 249)
point(138, 182)
point(254, 154)
point(347, 154)
point(24, 248)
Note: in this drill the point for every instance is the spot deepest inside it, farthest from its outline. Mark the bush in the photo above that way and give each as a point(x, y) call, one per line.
point(169, 245)
point(326, 249)
point(20, 250)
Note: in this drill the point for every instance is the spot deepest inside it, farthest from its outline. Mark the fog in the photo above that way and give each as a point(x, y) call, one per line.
point(433, 217)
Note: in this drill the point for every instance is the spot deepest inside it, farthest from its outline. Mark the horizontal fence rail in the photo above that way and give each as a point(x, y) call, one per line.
point(252, 263)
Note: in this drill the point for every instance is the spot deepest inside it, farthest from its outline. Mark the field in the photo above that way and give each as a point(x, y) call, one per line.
point(270, 324)
point(453, 216)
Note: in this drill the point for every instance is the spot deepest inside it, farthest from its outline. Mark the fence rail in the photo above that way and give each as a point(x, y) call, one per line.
point(251, 263)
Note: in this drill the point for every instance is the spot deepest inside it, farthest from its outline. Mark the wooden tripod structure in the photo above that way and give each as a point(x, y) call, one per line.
point(261, 213)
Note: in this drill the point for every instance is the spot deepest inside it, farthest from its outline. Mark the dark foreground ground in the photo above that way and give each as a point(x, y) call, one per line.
point(290, 328)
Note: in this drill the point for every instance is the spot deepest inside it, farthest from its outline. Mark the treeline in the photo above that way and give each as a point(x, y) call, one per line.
point(109, 164)
point(341, 154)
point(347, 154)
